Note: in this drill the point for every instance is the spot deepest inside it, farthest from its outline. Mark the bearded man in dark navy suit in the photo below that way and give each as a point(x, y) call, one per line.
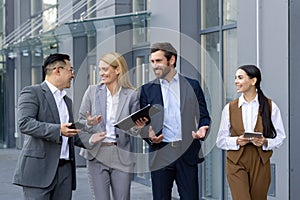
point(175, 134)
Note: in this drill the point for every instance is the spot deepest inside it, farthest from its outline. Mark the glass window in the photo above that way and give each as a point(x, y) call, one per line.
point(140, 32)
point(212, 85)
point(230, 63)
point(218, 64)
point(141, 74)
point(209, 13)
point(229, 11)
point(49, 14)
point(140, 5)
point(49, 3)
point(2, 20)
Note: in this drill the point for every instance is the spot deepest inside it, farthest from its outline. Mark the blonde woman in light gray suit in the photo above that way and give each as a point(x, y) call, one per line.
point(109, 158)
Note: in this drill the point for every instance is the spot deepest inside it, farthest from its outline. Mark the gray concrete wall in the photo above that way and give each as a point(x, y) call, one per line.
point(165, 23)
point(267, 44)
point(274, 66)
point(246, 32)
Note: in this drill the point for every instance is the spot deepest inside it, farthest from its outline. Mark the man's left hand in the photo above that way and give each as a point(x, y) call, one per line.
point(201, 132)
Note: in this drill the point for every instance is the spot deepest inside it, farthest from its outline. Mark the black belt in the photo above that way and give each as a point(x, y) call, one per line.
point(62, 162)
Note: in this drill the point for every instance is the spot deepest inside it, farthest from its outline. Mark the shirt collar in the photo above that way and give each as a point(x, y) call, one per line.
point(55, 91)
point(109, 94)
point(174, 79)
point(243, 101)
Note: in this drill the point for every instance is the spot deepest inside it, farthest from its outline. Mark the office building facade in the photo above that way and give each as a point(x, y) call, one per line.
point(213, 38)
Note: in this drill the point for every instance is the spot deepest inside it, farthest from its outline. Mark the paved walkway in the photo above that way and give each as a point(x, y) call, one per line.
point(8, 191)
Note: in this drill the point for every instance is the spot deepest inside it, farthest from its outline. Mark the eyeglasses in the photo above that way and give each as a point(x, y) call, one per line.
point(70, 70)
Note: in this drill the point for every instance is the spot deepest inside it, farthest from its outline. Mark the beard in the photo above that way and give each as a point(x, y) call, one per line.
point(162, 72)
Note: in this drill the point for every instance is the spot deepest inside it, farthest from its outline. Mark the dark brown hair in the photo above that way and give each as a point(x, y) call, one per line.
point(167, 48)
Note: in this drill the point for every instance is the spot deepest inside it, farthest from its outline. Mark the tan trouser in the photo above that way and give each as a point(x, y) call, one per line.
point(249, 179)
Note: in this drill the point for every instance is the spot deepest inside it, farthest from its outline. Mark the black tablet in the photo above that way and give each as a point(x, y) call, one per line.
point(129, 122)
point(252, 134)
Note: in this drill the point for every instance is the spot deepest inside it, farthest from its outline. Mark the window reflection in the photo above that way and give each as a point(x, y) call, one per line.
point(218, 64)
point(230, 63)
point(49, 19)
point(49, 3)
point(209, 13)
point(140, 30)
point(140, 5)
point(49, 14)
point(210, 56)
point(229, 11)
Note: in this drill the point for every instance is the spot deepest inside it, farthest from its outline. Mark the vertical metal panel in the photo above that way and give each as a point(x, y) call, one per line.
point(294, 98)
point(272, 188)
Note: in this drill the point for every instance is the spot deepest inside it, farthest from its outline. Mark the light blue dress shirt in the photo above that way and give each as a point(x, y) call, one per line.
point(172, 116)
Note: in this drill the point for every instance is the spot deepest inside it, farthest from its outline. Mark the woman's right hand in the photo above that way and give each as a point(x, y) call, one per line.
point(93, 120)
point(242, 140)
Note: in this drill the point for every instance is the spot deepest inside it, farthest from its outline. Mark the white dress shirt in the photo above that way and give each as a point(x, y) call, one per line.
point(63, 116)
point(249, 115)
point(172, 116)
point(112, 103)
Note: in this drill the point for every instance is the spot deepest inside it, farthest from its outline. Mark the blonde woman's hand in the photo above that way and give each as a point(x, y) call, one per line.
point(97, 137)
point(141, 123)
point(93, 120)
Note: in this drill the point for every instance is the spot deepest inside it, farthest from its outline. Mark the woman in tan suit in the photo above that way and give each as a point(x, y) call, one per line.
point(109, 157)
point(248, 158)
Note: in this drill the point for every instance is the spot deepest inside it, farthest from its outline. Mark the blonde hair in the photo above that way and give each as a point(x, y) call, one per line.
point(115, 59)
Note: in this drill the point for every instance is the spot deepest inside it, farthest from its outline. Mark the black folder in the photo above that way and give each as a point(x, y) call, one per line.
point(129, 122)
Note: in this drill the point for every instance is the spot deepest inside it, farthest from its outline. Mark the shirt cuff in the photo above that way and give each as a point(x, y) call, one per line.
point(90, 141)
point(267, 148)
point(231, 143)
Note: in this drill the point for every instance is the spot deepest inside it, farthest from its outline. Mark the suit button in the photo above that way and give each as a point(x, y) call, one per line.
point(117, 135)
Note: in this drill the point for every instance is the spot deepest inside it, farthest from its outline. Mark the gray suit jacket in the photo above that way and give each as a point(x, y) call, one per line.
point(38, 119)
point(94, 101)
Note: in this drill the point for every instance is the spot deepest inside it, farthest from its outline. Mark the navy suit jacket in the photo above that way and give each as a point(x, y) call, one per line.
point(194, 114)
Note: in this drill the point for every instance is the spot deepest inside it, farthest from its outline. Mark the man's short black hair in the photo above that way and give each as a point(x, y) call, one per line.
point(52, 58)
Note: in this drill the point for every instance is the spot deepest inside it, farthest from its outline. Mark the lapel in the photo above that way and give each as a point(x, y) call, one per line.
point(183, 85)
point(122, 99)
point(51, 101)
point(69, 106)
point(157, 92)
point(100, 102)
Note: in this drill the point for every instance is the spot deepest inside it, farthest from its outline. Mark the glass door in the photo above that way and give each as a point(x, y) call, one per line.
point(141, 73)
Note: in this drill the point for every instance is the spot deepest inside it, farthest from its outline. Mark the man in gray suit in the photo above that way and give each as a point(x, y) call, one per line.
point(46, 165)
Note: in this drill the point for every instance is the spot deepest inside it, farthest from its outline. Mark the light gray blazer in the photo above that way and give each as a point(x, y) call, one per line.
point(94, 101)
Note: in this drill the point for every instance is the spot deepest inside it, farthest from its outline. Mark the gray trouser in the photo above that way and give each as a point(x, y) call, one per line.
point(108, 176)
point(59, 189)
